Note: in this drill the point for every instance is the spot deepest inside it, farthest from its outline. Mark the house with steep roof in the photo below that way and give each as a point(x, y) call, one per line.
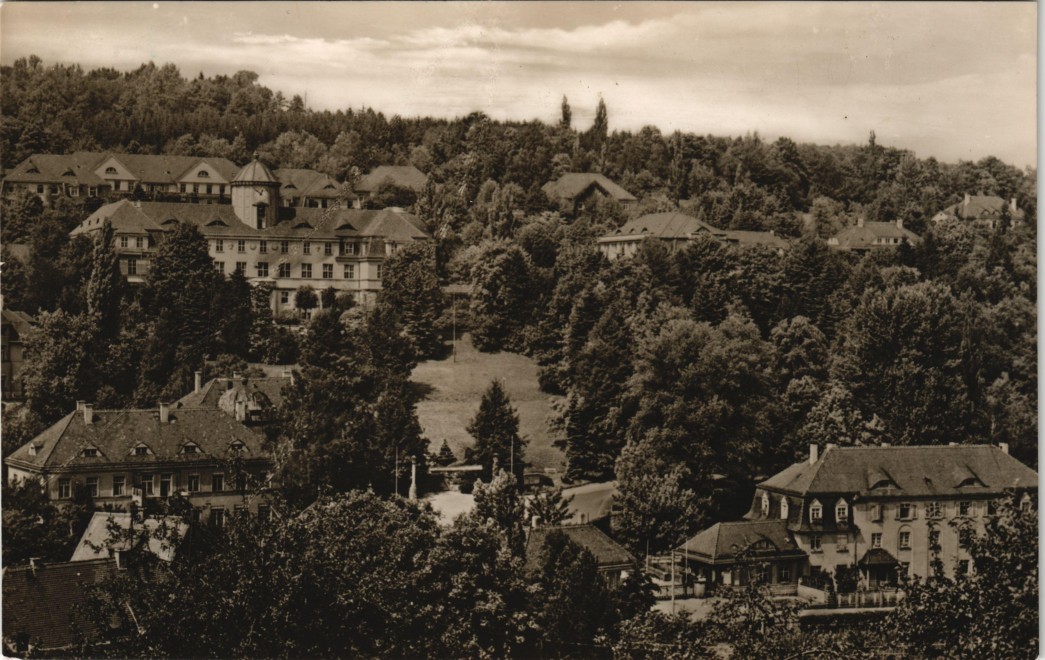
point(311, 189)
point(728, 552)
point(120, 457)
point(14, 328)
point(289, 247)
point(251, 400)
point(884, 510)
point(575, 191)
point(97, 540)
point(675, 230)
point(42, 606)
point(590, 503)
point(981, 211)
point(867, 236)
point(613, 559)
point(407, 177)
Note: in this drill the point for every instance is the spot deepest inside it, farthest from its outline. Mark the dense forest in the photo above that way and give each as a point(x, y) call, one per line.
point(687, 376)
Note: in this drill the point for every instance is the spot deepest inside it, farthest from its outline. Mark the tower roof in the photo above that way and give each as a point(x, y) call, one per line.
point(254, 172)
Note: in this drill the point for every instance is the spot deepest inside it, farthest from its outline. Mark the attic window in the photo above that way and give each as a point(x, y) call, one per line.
point(290, 185)
point(34, 448)
point(68, 173)
point(203, 174)
point(237, 446)
point(816, 512)
point(969, 481)
point(842, 511)
point(141, 450)
point(329, 186)
point(90, 452)
point(190, 448)
point(882, 483)
point(302, 225)
point(217, 222)
point(110, 170)
point(170, 221)
point(765, 504)
point(32, 170)
point(783, 508)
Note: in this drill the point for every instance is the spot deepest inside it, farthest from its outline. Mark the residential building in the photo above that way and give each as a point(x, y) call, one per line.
point(97, 174)
point(311, 189)
point(97, 541)
point(981, 210)
point(401, 176)
point(125, 456)
point(885, 510)
point(590, 503)
point(676, 230)
point(43, 606)
point(614, 561)
point(14, 328)
point(866, 236)
point(251, 400)
point(285, 246)
point(575, 191)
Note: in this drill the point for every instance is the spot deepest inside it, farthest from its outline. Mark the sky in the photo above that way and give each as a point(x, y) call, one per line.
point(950, 80)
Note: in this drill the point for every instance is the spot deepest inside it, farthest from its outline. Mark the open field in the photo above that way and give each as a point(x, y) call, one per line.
point(454, 389)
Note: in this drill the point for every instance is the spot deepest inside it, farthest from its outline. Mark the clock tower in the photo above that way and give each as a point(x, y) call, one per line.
point(255, 195)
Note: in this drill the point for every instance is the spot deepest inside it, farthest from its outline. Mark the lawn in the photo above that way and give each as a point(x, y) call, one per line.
point(453, 390)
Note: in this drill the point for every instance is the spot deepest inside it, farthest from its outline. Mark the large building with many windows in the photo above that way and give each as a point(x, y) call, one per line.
point(267, 241)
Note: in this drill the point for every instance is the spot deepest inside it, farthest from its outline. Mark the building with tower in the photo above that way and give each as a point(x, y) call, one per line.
point(333, 247)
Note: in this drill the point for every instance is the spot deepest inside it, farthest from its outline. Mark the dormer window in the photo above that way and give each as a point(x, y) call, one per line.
point(32, 170)
point(34, 448)
point(90, 452)
point(203, 174)
point(783, 508)
point(141, 450)
point(816, 512)
point(237, 447)
point(765, 504)
point(190, 448)
point(842, 511)
point(110, 170)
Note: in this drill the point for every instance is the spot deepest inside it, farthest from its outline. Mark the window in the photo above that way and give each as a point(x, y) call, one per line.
point(132, 266)
point(814, 543)
point(92, 486)
point(241, 246)
point(784, 575)
point(192, 484)
point(263, 269)
point(876, 540)
point(284, 270)
point(306, 248)
point(263, 247)
point(1025, 503)
point(784, 508)
point(350, 271)
point(110, 170)
point(203, 174)
point(221, 188)
point(284, 297)
point(165, 485)
point(264, 512)
point(117, 486)
point(217, 482)
point(219, 245)
point(379, 271)
point(90, 452)
point(65, 490)
point(906, 511)
point(328, 271)
point(842, 512)
point(934, 540)
point(933, 510)
point(123, 241)
point(306, 271)
point(139, 242)
point(141, 450)
point(74, 191)
point(905, 540)
point(816, 512)
point(210, 189)
point(197, 514)
point(237, 447)
point(765, 504)
point(284, 247)
point(217, 517)
point(195, 188)
point(876, 512)
point(147, 485)
point(241, 267)
point(963, 567)
point(240, 511)
point(184, 188)
point(261, 217)
point(964, 509)
point(219, 266)
point(40, 188)
point(328, 249)
point(348, 248)
point(241, 481)
point(842, 542)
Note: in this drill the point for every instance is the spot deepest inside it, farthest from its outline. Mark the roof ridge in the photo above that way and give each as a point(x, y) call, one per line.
point(68, 419)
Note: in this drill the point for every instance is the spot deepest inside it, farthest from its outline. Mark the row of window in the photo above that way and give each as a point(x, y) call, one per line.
point(842, 541)
point(283, 247)
point(904, 510)
point(139, 242)
point(284, 270)
point(151, 485)
point(217, 517)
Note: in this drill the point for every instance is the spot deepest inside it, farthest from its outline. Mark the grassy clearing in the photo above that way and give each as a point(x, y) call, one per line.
point(453, 391)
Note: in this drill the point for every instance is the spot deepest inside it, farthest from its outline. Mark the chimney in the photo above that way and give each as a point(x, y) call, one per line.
point(535, 522)
point(814, 453)
point(1004, 446)
point(899, 223)
point(79, 406)
point(967, 199)
point(860, 221)
point(1012, 205)
point(32, 564)
point(165, 413)
point(198, 385)
point(241, 410)
point(88, 413)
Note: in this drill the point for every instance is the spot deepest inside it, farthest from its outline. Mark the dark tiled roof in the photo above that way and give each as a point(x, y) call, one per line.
point(169, 169)
point(21, 322)
point(865, 236)
point(306, 183)
point(915, 471)
point(44, 604)
point(55, 168)
point(594, 501)
point(254, 172)
point(404, 176)
point(670, 225)
point(573, 184)
point(608, 553)
point(210, 395)
point(878, 557)
point(116, 433)
point(722, 542)
point(978, 207)
point(744, 237)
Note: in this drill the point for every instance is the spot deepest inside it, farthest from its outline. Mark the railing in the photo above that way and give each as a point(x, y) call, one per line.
point(881, 598)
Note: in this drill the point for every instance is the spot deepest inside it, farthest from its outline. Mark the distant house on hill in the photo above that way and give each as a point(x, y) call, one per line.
point(407, 177)
point(613, 559)
point(575, 191)
point(14, 328)
point(310, 189)
point(980, 210)
point(676, 230)
point(866, 236)
point(246, 399)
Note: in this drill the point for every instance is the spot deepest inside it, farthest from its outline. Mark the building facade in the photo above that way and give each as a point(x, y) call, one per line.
point(406, 177)
point(675, 230)
point(265, 240)
point(575, 191)
point(981, 211)
point(14, 328)
point(867, 236)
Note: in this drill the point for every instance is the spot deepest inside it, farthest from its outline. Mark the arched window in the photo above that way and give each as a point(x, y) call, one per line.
point(203, 174)
point(261, 216)
point(842, 511)
point(783, 508)
point(816, 512)
point(110, 170)
point(765, 504)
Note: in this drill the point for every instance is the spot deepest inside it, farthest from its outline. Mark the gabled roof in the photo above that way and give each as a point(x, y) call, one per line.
point(150, 168)
point(866, 235)
point(254, 172)
point(45, 604)
point(916, 472)
point(116, 433)
point(978, 207)
point(20, 322)
point(724, 542)
point(307, 183)
point(592, 501)
point(404, 176)
point(93, 543)
point(210, 395)
point(54, 168)
point(574, 184)
point(669, 225)
point(608, 553)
